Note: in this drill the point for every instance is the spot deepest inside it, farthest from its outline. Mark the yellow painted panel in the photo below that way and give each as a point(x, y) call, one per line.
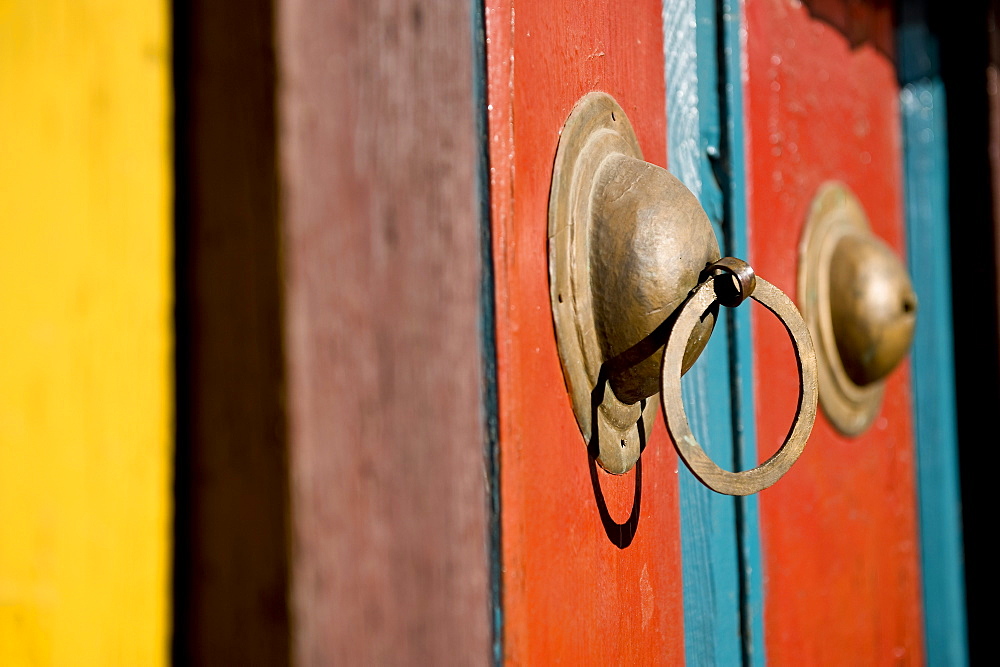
point(85, 332)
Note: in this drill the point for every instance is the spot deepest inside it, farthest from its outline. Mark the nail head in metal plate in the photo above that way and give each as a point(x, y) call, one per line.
point(704, 468)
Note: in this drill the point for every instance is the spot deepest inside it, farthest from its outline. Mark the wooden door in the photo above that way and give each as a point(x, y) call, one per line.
point(839, 536)
point(759, 104)
point(590, 562)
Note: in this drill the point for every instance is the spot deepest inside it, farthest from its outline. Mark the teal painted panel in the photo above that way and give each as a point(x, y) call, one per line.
point(741, 340)
point(925, 153)
point(709, 550)
point(723, 598)
point(922, 103)
point(490, 402)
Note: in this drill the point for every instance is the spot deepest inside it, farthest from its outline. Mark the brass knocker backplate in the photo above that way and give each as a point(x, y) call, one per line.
point(597, 128)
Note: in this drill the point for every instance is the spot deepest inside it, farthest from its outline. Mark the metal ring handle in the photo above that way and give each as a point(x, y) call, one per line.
point(769, 472)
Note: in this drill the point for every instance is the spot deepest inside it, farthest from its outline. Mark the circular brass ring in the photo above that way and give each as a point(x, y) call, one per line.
point(769, 472)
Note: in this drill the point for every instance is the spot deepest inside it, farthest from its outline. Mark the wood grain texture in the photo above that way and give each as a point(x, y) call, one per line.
point(924, 106)
point(334, 506)
point(735, 149)
point(591, 561)
point(381, 236)
point(709, 549)
point(840, 531)
point(720, 541)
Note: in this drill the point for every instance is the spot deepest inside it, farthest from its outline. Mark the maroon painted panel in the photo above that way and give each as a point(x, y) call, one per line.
point(334, 505)
point(378, 164)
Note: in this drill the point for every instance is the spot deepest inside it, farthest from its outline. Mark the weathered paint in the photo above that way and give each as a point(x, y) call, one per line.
point(84, 332)
point(334, 492)
point(487, 326)
point(734, 64)
point(571, 591)
point(839, 531)
point(380, 238)
point(710, 531)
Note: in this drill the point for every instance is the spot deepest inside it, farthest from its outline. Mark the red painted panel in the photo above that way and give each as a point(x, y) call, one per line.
point(839, 531)
point(570, 592)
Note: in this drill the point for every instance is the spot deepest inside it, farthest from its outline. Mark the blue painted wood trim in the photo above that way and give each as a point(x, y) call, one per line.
point(487, 324)
point(719, 535)
point(922, 104)
point(741, 339)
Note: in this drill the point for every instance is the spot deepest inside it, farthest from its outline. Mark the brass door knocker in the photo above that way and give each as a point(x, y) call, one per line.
point(632, 264)
point(858, 300)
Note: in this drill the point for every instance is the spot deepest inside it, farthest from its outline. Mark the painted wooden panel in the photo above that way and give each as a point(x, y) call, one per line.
point(923, 107)
point(336, 502)
point(839, 532)
point(379, 160)
point(85, 343)
point(591, 561)
point(719, 535)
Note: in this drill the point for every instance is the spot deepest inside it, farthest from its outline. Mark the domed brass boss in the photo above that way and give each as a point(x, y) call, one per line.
point(627, 244)
point(859, 303)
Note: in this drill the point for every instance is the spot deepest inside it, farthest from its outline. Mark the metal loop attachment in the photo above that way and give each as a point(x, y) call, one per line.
point(741, 277)
point(769, 296)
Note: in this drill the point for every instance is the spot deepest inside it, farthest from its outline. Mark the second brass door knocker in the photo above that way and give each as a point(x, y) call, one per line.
point(636, 281)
